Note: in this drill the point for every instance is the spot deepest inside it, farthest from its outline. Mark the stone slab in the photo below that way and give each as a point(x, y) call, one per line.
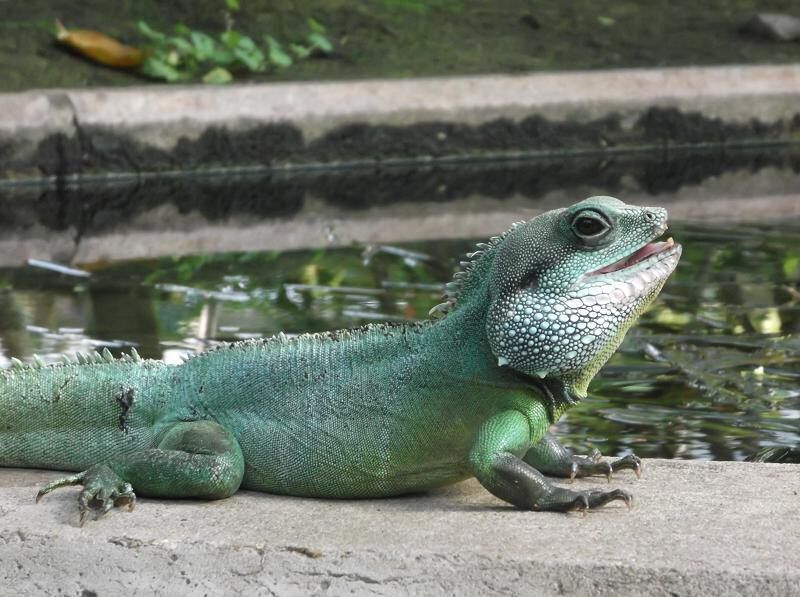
point(697, 528)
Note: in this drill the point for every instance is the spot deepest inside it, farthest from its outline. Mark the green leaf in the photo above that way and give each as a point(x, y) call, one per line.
point(222, 55)
point(320, 42)
point(150, 33)
point(218, 76)
point(246, 43)
point(791, 266)
point(183, 46)
point(300, 51)
point(181, 29)
point(233, 5)
point(158, 69)
point(172, 57)
point(276, 54)
point(204, 45)
point(606, 21)
point(231, 38)
point(252, 59)
point(248, 53)
point(315, 26)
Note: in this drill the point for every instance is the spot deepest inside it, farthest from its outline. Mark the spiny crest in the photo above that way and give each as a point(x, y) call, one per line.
point(281, 339)
point(452, 290)
point(89, 358)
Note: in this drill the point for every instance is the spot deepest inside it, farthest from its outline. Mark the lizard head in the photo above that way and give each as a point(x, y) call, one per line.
point(566, 285)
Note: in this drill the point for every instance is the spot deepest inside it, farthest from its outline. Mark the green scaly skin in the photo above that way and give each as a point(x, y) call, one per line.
point(376, 411)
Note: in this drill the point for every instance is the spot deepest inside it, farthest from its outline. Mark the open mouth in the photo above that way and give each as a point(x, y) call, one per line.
point(637, 256)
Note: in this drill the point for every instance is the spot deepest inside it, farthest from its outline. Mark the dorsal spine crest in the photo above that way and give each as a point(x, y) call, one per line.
point(452, 290)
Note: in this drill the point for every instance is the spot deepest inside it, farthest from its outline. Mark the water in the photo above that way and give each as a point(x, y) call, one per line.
point(711, 372)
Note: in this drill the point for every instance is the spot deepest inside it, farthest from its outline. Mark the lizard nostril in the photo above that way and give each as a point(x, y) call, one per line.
point(650, 216)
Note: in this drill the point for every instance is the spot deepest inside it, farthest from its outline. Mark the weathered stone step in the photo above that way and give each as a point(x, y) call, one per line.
point(698, 528)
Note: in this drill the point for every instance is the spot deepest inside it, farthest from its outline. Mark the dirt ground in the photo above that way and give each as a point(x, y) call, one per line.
point(403, 38)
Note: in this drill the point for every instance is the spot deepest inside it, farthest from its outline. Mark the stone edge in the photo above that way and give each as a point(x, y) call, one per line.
point(158, 116)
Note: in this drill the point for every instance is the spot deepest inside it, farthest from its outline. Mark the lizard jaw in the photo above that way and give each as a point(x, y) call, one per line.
point(647, 251)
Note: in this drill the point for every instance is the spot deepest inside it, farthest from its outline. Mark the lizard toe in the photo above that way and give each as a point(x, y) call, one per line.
point(102, 490)
point(629, 461)
point(566, 500)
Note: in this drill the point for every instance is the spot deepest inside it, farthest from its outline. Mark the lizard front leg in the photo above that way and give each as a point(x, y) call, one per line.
point(496, 460)
point(548, 456)
point(199, 459)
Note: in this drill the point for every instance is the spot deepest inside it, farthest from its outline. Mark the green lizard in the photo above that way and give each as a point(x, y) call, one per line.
point(376, 411)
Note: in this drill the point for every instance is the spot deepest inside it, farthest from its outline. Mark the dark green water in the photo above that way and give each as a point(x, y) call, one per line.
point(712, 371)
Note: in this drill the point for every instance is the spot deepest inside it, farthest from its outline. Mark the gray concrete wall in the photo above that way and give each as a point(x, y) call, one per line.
point(697, 528)
point(158, 128)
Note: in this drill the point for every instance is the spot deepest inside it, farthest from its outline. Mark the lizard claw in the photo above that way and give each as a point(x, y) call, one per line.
point(593, 464)
point(595, 499)
point(582, 501)
point(102, 490)
point(63, 482)
point(629, 461)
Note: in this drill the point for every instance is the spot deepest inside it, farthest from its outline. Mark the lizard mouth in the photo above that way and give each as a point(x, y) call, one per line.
point(648, 251)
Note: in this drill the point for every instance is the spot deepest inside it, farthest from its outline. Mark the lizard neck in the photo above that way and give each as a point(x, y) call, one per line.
point(458, 345)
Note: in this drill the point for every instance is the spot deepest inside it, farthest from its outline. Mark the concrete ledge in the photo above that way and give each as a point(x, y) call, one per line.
point(722, 92)
point(698, 528)
point(71, 132)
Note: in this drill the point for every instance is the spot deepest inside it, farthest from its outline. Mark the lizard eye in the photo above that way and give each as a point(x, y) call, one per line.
point(589, 225)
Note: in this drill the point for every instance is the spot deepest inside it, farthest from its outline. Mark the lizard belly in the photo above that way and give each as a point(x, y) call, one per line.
point(354, 459)
point(370, 451)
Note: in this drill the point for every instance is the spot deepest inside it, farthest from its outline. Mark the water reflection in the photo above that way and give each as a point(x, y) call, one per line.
point(712, 371)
